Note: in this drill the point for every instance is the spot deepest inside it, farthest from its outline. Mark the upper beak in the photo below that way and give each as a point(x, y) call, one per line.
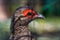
point(40, 16)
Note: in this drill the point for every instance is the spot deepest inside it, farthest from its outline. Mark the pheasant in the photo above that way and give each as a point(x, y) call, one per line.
point(19, 24)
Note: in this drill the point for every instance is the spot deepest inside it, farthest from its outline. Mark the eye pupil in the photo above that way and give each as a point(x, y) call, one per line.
point(29, 14)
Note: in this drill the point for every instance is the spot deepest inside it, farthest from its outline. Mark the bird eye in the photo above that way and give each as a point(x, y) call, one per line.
point(29, 14)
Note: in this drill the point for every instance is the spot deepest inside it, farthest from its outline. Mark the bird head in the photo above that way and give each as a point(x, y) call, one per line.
point(26, 14)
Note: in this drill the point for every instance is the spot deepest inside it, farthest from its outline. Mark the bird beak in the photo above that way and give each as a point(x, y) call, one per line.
point(40, 16)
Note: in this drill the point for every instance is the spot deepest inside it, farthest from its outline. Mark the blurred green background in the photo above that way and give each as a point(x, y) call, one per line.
point(49, 8)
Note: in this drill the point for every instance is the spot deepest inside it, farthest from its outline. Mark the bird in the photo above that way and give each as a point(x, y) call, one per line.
point(19, 23)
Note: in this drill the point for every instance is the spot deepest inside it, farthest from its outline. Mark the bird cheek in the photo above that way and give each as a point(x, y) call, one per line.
point(29, 17)
point(35, 16)
point(24, 18)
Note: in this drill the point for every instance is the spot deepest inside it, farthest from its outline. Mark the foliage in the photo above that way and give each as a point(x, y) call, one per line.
point(4, 30)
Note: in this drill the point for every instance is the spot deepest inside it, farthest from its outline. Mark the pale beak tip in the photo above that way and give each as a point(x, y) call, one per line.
point(41, 16)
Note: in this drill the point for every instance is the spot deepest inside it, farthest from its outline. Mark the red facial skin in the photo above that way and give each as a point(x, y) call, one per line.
point(26, 11)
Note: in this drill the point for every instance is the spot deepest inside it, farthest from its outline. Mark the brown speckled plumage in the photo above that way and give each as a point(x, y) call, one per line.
point(19, 28)
point(19, 23)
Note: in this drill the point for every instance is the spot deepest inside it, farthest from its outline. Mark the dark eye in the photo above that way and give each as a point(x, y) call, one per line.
point(29, 14)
